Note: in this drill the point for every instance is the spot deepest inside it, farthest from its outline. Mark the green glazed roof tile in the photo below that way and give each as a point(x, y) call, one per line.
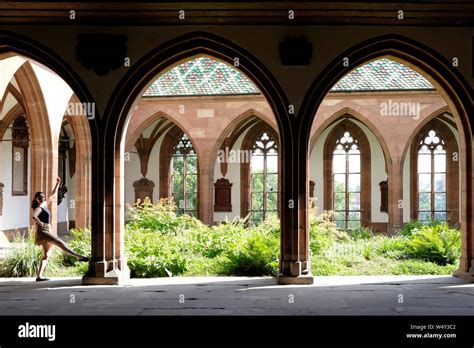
point(201, 76)
point(380, 75)
point(205, 76)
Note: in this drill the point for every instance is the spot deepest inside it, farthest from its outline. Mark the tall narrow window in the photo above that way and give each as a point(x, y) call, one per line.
point(20, 144)
point(347, 175)
point(434, 172)
point(184, 177)
point(63, 148)
point(431, 178)
point(346, 182)
point(264, 179)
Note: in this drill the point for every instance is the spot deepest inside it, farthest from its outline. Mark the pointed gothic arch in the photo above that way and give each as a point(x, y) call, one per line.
point(441, 74)
point(362, 194)
point(117, 116)
point(441, 169)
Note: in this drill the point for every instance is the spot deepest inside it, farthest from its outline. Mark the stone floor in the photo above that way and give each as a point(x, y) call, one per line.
point(361, 295)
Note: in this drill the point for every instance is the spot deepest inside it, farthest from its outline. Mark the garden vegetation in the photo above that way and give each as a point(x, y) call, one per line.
point(160, 243)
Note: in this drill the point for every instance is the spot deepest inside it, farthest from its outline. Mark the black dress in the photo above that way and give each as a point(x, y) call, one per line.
point(44, 234)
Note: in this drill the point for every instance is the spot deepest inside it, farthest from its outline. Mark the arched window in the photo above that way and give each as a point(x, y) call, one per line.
point(346, 179)
point(264, 178)
point(431, 178)
point(347, 176)
point(435, 174)
point(184, 177)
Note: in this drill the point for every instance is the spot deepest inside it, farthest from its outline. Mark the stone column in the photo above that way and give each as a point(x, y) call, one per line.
point(294, 258)
point(395, 196)
point(108, 265)
point(466, 266)
point(82, 170)
point(206, 188)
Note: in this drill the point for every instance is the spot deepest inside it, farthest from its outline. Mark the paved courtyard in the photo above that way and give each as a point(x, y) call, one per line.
point(361, 295)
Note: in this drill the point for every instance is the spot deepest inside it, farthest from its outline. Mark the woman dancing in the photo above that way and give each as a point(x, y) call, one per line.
point(44, 232)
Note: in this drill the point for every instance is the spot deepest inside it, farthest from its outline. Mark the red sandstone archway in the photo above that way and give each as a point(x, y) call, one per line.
point(440, 74)
point(118, 114)
point(43, 152)
point(44, 136)
point(83, 146)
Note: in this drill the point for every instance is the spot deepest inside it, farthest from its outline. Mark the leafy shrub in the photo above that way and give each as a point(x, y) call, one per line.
point(152, 254)
point(23, 258)
point(413, 226)
point(159, 217)
point(323, 233)
point(198, 265)
point(213, 241)
point(256, 254)
point(160, 243)
point(319, 241)
point(361, 233)
point(395, 247)
point(438, 243)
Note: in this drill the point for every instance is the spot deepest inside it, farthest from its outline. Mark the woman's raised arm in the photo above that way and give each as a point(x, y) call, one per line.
point(54, 193)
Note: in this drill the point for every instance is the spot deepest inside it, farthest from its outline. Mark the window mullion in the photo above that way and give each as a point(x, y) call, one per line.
point(432, 186)
point(264, 185)
point(184, 182)
point(347, 190)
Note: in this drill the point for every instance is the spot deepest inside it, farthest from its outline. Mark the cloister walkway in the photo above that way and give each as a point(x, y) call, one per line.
point(348, 295)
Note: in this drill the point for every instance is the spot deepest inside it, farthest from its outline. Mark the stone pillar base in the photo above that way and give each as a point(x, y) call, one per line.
point(306, 279)
point(114, 277)
point(106, 273)
point(295, 268)
point(467, 276)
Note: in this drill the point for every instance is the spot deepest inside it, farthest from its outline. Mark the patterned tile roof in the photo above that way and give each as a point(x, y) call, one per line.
point(201, 76)
point(380, 75)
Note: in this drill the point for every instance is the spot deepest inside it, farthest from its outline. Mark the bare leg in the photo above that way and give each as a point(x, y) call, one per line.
point(47, 249)
point(64, 247)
